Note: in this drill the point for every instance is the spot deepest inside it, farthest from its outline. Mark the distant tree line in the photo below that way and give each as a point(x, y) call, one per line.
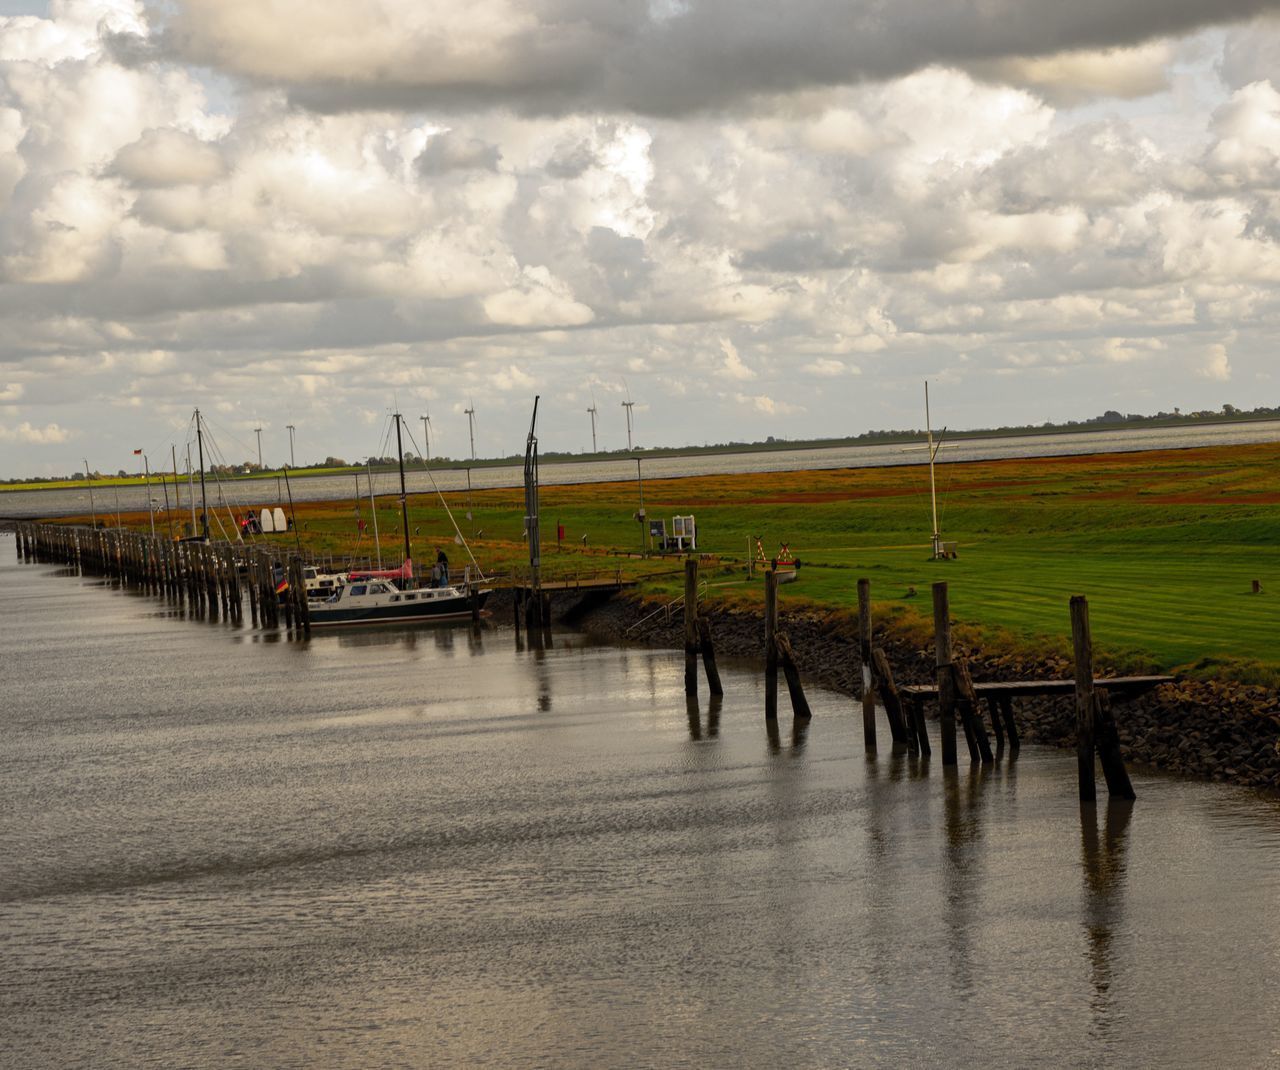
point(1110, 418)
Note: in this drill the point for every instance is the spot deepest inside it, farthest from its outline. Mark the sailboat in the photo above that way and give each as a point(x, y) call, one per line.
point(381, 596)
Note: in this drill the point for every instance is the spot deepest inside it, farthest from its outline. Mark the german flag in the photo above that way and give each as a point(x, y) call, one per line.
point(282, 586)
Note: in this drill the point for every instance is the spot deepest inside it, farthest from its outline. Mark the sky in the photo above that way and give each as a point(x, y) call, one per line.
point(750, 219)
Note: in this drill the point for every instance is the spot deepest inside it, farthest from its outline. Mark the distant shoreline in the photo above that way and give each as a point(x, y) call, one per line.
point(666, 452)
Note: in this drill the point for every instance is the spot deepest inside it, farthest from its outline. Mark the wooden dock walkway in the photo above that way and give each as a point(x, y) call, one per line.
point(1120, 686)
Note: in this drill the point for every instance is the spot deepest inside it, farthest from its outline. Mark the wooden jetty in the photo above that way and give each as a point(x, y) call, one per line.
point(1122, 686)
point(214, 578)
point(531, 600)
point(999, 696)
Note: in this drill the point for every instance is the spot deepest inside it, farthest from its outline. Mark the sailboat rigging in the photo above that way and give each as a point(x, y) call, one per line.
point(376, 597)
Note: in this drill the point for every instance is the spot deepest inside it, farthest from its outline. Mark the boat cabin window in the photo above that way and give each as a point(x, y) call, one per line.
point(379, 588)
point(359, 588)
point(394, 598)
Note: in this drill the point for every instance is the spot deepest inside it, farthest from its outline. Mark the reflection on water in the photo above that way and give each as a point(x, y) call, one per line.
point(1104, 878)
point(464, 846)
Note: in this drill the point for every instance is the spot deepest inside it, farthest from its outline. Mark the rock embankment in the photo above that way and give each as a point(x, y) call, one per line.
point(1209, 730)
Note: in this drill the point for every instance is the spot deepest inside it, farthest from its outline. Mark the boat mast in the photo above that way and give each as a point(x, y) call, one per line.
point(404, 497)
point(373, 508)
point(204, 500)
point(177, 487)
point(191, 490)
point(93, 512)
point(531, 509)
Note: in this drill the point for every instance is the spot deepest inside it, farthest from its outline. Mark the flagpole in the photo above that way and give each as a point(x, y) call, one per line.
point(146, 475)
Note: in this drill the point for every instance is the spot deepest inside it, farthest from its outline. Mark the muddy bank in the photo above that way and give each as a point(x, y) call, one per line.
point(1213, 731)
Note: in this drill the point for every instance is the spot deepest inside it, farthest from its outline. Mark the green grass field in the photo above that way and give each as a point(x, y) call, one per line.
point(1164, 545)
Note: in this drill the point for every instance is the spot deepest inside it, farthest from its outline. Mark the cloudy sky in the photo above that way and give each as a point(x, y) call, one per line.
point(758, 218)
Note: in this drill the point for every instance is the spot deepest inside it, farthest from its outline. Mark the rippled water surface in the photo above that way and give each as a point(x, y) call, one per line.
point(443, 848)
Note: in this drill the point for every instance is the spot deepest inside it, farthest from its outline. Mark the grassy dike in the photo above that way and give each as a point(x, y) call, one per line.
point(1165, 544)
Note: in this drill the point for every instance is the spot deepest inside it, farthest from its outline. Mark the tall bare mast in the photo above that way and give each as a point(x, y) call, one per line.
point(204, 498)
point(177, 494)
point(531, 508)
point(936, 540)
point(191, 490)
point(404, 495)
point(93, 512)
point(373, 508)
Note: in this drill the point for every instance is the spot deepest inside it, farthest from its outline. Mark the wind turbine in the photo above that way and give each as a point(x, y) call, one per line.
point(291, 429)
point(627, 405)
point(471, 425)
point(426, 435)
point(592, 411)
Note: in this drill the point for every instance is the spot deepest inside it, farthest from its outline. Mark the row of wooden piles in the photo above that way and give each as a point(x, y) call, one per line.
point(211, 579)
point(957, 696)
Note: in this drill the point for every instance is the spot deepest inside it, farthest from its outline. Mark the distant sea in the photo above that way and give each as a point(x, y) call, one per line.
point(242, 493)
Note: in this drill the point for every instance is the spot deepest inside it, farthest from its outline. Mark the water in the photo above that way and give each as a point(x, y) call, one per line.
point(435, 847)
point(249, 494)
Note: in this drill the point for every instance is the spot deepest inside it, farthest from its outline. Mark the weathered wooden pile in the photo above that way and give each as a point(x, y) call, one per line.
point(958, 697)
point(210, 578)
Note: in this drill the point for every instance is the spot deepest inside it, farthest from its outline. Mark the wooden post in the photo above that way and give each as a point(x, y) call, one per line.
point(946, 684)
point(888, 688)
point(253, 586)
point(1006, 711)
point(1118, 784)
point(993, 708)
point(531, 612)
point(971, 715)
point(864, 653)
point(799, 704)
point(691, 626)
point(770, 645)
point(1082, 644)
point(709, 657)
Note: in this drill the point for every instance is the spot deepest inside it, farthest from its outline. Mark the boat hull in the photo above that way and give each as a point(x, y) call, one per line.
point(432, 609)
